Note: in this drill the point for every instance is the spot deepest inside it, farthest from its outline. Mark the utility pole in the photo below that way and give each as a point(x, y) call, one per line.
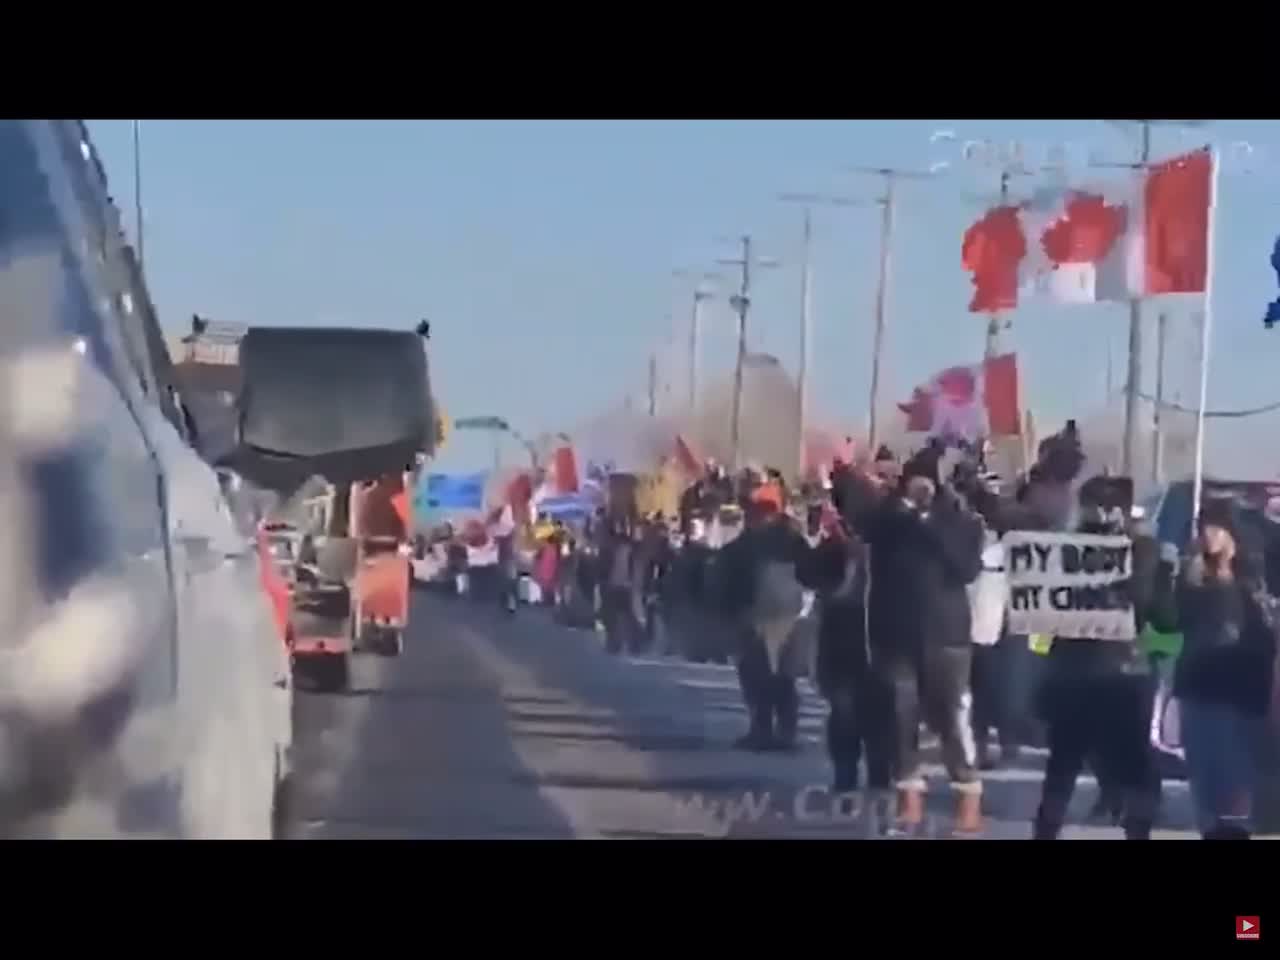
point(806, 340)
point(653, 384)
point(700, 296)
point(882, 292)
point(137, 189)
point(809, 201)
point(891, 176)
point(1157, 431)
point(741, 303)
point(995, 323)
point(1133, 385)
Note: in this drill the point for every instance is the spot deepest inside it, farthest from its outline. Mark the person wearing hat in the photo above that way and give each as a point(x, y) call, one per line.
point(1224, 675)
point(762, 595)
point(1097, 694)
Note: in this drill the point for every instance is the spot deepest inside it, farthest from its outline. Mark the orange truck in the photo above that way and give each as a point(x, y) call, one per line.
point(381, 527)
point(334, 420)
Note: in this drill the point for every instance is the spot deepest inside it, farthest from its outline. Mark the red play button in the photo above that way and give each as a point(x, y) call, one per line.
point(1247, 928)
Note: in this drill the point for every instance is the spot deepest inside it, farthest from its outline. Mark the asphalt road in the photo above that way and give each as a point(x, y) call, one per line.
point(496, 727)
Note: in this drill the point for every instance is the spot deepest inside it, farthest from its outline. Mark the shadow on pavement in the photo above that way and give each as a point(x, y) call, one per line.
point(678, 720)
point(419, 748)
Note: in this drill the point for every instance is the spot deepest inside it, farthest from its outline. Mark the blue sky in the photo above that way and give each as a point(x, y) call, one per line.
point(550, 244)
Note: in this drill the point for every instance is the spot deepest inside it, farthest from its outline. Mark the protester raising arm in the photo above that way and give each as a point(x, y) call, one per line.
point(958, 536)
point(858, 496)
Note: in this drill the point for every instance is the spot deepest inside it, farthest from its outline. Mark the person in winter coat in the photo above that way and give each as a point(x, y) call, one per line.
point(926, 548)
point(617, 588)
point(654, 559)
point(761, 593)
point(693, 612)
point(1097, 695)
point(1223, 677)
point(856, 718)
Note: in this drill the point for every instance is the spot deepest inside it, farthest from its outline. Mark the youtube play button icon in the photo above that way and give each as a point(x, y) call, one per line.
point(1247, 928)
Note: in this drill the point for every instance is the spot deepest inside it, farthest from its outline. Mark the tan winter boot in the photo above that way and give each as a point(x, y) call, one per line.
point(969, 809)
point(910, 807)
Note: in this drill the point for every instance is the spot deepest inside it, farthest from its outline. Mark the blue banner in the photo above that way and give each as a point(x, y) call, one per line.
point(566, 507)
point(439, 492)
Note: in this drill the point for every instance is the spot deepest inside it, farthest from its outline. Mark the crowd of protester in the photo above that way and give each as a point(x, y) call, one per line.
point(884, 585)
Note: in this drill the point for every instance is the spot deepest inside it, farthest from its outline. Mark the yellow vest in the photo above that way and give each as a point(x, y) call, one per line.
point(1040, 643)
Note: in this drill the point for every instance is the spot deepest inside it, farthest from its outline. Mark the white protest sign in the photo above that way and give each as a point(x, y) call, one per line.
point(1070, 584)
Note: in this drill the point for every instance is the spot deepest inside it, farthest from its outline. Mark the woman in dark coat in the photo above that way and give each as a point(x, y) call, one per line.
point(1223, 679)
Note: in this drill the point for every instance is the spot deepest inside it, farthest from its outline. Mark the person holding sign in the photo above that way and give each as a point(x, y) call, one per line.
point(1224, 675)
point(1094, 591)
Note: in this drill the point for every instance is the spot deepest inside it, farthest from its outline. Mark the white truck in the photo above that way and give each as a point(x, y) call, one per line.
point(144, 690)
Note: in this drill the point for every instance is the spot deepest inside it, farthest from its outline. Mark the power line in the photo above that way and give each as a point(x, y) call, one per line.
point(1214, 414)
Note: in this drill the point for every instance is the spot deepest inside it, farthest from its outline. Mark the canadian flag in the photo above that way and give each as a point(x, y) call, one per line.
point(968, 403)
point(1107, 243)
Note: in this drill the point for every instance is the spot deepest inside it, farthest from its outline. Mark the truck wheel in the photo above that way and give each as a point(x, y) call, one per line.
point(333, 673)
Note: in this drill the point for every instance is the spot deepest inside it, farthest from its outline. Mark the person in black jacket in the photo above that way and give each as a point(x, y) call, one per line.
point(926, 548)
point(617, 588)
point(1097, 694)
point(1224, 676)
point(855, 720)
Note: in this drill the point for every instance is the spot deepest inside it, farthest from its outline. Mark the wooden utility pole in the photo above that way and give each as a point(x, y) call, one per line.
point(890, 176)
point(1133, 384)
point(809, 201)
point(741, 303)
point(653, 384)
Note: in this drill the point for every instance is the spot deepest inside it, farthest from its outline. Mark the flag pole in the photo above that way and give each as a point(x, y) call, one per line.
point(1206, 331)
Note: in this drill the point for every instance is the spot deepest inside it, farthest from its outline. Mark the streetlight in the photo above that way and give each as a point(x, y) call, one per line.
point(700, 296)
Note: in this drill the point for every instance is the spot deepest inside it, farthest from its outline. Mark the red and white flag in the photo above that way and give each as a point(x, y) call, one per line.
point(1177, 199)
point(1096, 244)
point(969, 402)
point(564, 471)
point(561, 475)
